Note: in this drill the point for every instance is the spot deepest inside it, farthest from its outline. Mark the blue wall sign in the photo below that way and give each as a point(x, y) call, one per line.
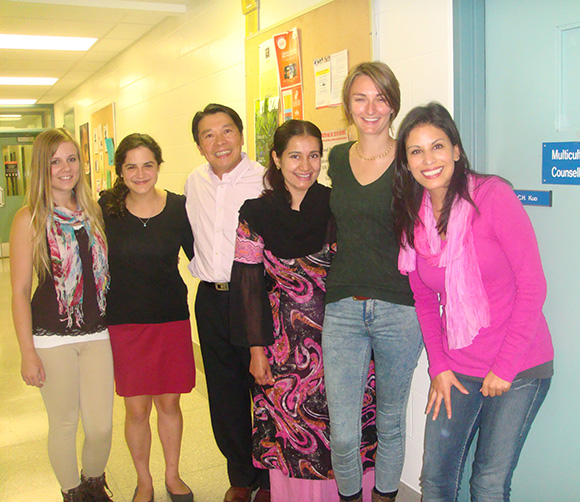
point(561, 163)
point(535, 197)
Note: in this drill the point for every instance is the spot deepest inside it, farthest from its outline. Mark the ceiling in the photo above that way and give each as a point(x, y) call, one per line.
point(116, 23)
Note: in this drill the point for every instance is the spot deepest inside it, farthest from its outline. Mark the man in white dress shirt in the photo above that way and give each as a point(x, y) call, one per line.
point(215, 192)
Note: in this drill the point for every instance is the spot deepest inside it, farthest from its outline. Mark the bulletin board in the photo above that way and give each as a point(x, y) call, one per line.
point(102, 148)
point(331, 28)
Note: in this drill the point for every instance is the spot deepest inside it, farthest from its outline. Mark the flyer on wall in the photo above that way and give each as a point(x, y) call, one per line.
point(290, 73)
point(268, 70)
point(329, 75)
point(330, 139)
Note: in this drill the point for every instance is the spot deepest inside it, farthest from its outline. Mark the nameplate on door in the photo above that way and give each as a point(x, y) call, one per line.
point(535, 197)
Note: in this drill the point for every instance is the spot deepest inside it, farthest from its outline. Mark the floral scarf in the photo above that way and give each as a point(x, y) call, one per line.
point(67, 268)
point(467, 308)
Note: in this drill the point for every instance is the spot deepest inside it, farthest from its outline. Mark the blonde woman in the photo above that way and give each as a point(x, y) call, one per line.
point(62, 332)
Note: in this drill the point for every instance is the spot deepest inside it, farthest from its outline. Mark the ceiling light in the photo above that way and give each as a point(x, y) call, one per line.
point(46, 43)
point(27, 81)
point(6, 116)
point(4, 102)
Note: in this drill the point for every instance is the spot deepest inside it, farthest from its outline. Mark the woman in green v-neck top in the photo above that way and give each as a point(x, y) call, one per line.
point(366, 264)
point(369, 304)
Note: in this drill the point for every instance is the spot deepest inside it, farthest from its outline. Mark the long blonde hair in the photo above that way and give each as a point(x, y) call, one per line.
point(39, 196)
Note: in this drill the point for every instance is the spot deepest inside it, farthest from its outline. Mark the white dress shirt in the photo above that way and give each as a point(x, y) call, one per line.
point(212, 207)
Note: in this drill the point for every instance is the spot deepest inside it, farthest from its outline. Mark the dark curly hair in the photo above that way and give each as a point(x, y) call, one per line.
point(115, 205)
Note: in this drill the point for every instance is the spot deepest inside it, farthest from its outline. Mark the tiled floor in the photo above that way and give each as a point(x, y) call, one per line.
point(25, 472)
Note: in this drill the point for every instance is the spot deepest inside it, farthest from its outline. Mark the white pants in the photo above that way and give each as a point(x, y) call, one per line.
point(79, 378)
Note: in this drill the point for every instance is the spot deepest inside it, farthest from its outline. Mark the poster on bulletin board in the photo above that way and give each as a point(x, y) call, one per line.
point(329, 75)
point(84, 142)
point(103, 148)
point(287, 47)
point(268, 70)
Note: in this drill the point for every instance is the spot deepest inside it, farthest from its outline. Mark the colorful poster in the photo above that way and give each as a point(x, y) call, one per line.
point(289, 73)
point(110, 151)
point(103, 128)
point(288, 56)
point(292, 102)
point(297, 102)
point(85, 150)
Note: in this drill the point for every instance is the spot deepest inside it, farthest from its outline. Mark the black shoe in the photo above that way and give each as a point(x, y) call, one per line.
point(185, 497)
point(135, 494)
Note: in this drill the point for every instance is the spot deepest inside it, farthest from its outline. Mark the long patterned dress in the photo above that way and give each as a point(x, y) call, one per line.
point(291, 424)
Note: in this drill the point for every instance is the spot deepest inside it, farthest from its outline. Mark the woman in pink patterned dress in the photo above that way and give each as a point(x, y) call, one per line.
point(284, 246)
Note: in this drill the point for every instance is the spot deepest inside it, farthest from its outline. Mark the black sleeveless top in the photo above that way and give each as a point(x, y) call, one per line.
point(46, 321)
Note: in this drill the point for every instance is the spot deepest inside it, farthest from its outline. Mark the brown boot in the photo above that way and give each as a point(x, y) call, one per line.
point(382, 498)
point(76, 494)
point(95, 489)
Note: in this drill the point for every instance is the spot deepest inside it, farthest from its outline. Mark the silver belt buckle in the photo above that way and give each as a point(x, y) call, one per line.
point(222, 286)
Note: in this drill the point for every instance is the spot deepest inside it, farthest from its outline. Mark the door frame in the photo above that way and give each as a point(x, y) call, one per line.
point(469, 78)
point(12, 203)
point(470, 116)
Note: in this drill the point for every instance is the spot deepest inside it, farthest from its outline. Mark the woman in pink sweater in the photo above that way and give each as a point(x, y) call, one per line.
point(472, 258)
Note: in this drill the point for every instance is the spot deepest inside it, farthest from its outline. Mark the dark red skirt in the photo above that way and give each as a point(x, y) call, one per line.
point(153, 359)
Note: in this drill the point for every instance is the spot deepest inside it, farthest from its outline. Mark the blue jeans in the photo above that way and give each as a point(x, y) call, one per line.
point(352, 330)
point(503, 423)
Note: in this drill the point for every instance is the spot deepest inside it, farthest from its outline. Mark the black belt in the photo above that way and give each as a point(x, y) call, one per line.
point(218, 286)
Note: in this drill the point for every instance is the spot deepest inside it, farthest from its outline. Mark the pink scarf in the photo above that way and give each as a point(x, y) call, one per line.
point(467, 308)
point(67, 268)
